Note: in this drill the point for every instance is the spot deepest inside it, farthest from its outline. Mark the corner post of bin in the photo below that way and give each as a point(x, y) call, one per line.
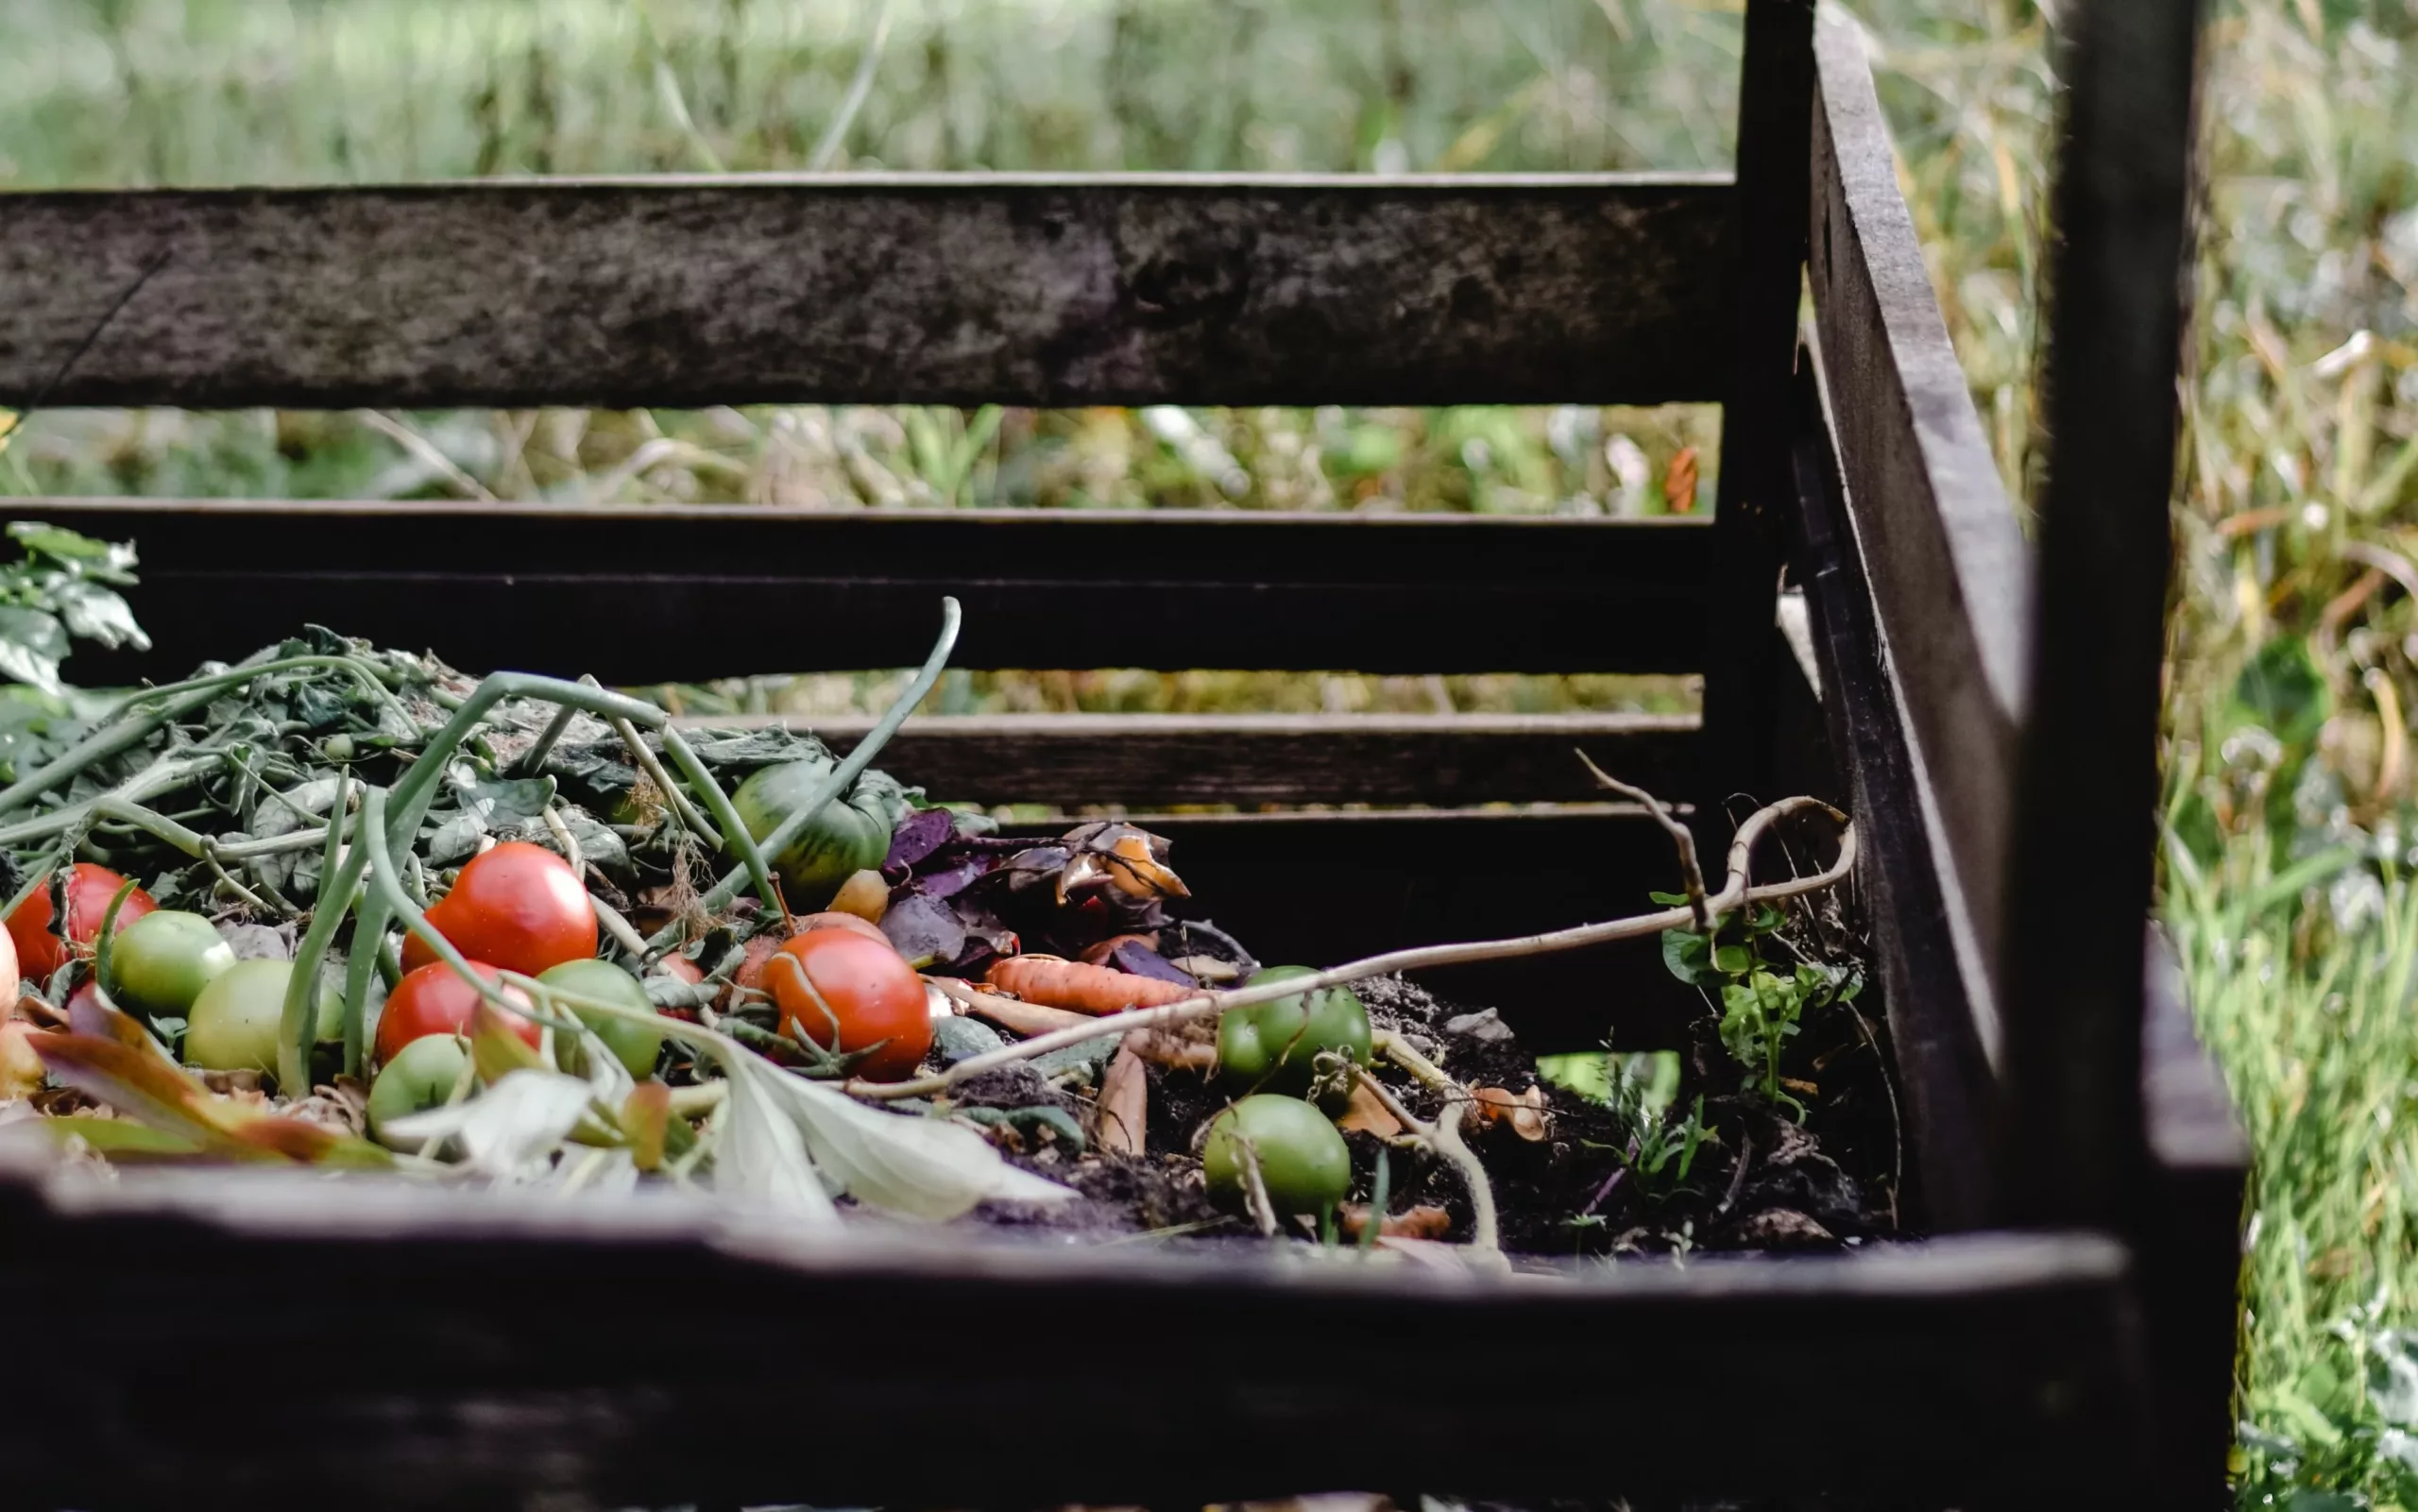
point(1756, 487)
point(2073, 1140)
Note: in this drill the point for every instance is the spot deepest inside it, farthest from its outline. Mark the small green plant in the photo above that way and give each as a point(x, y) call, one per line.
point(1656, 1150)
point(1763, 995)
point(65, 585)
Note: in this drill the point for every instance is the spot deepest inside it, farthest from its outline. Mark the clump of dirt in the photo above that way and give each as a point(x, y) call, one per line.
point(1758, 1179)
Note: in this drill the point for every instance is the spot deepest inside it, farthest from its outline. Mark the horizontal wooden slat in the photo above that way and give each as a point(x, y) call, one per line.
point(1249, 759)
point(501, 1353)
point(951, 289)
point(1941, 554)
point(673, 593)
point(1321, 889)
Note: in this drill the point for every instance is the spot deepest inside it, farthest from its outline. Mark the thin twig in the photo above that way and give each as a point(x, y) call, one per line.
point(1736, 893)
point(653, 765)
point(1484, 1232)
point(422, 447)
point(1262, 1211)
point(1690, 874)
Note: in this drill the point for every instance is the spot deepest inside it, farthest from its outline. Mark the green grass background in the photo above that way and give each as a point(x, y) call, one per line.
point(2290, 844)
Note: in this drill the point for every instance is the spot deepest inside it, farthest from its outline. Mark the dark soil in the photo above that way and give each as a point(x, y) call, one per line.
point(1763, 1181)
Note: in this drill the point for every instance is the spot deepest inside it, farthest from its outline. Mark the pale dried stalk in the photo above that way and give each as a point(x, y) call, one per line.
point(1690, 874)
point(1124, 1105)
point(1735, 892)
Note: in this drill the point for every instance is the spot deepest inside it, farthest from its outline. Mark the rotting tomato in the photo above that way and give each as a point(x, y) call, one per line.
point(874, 995)
point(39, 949)
point(159, 964)
point(433, 999)
point(1303, 1164)
point(233, 1023)
point(1274, 1046)
point(518, 907)
point(635, 1045)
point(423, 1077)
point(850, 835)
point(835, 919)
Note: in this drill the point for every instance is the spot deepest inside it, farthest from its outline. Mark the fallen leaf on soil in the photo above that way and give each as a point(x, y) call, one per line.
point(1124, 1105)
point(1368, 1115)
point(1524, 1112)
point(35, 1009)
point(1426, 1222)
point(1069, 984)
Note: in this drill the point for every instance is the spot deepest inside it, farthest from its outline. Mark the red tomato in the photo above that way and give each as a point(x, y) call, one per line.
point(40, 952)
point(518, 906)
point(435, 1000)
point(869, 988)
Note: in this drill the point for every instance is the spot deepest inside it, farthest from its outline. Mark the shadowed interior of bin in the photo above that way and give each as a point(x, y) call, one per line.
point(1601, 289)
point(1353, 833)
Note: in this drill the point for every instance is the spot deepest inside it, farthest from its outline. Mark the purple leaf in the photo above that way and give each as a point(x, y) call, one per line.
point(924, 831)
point(924, 930)
point(949, 880)
point(1141, 960)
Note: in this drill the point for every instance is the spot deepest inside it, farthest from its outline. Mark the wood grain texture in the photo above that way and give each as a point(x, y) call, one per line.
point(683, 593)
point(1249, 759)
point(2083, 866)
point(946, 289)
point(794, 1371)
point(1944, 1074)
point(1943, 557)
point(1751, 528)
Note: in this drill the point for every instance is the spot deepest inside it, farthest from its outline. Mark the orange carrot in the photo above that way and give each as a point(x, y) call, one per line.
point(1070, 984)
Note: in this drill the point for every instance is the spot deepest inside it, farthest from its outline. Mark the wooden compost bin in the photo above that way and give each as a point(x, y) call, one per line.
point(219, 1340)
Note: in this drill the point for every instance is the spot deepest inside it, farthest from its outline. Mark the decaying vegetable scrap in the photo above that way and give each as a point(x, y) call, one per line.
point(345, 907)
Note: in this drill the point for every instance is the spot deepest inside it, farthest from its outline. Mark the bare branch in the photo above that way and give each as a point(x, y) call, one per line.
point(1737, 892)
point(1690, 874)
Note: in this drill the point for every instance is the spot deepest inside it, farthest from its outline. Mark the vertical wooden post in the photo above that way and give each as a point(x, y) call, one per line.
point(1751, 525)
point(2070, 977)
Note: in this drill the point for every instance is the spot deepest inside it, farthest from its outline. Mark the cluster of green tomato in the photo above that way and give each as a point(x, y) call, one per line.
point(1270, 1052)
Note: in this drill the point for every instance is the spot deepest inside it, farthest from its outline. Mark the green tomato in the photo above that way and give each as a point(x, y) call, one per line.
point(633, 1045)
point(233, 1023)
point(1302, 1160)
point(422, 1075)
point(1274, 1046)
point(851, 834)
point(159, 964)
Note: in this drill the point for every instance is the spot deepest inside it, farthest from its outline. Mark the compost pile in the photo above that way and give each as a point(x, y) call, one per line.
point(346, 907)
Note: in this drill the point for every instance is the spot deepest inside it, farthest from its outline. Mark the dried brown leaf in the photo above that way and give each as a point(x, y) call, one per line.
point(1123, 1114)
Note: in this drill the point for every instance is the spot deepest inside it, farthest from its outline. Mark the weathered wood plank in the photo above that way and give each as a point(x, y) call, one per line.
point(1249, 759)
point(1943, 1072)
point(1951, 1369)
point(1741, 683)
point(1942, 553)
point(672, 593)
point(2082, 862)
point(948, 289)
point(2189, 1234)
